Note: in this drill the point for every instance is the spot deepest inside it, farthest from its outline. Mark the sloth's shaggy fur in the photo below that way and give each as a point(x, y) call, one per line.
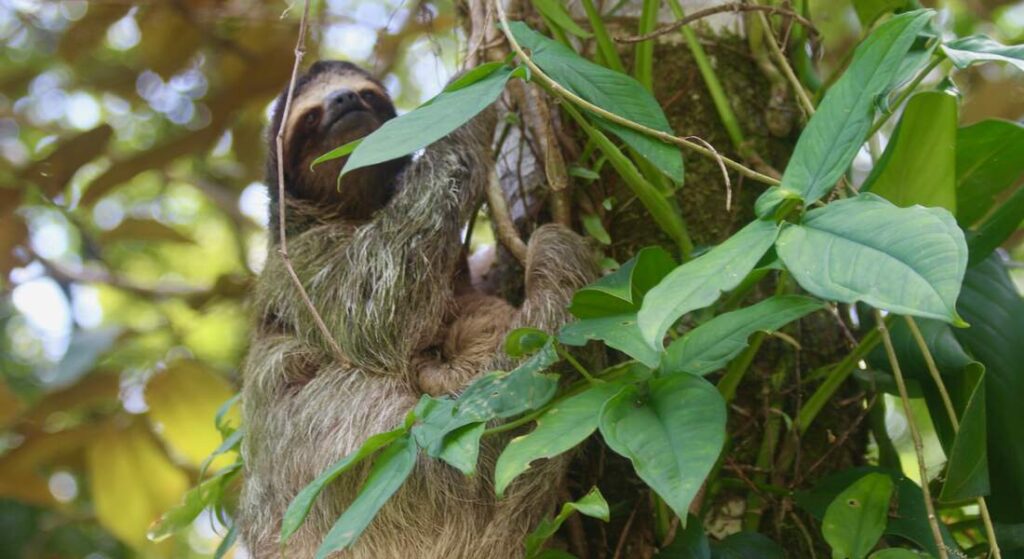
point(383, 283)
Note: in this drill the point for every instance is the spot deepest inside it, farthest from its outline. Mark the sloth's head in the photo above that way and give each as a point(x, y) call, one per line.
point(333, 103)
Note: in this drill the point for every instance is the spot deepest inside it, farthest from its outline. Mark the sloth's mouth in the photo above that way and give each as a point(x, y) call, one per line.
point(354, 121)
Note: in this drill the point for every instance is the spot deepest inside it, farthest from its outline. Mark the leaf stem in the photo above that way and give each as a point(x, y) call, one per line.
point(834, 380)
point(561, 91)
point(783, 63)
point(604, 41)
point(578, 366)
point(947, 402)
point(907, 92)
point(915, 434)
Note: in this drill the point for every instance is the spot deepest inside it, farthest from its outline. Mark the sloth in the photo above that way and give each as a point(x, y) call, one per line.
point(379, 254)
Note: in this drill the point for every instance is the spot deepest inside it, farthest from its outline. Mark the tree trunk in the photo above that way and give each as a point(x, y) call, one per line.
point(774, 387)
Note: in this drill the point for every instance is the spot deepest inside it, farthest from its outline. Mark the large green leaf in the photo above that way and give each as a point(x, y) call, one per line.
point(998, 227)
point(299, 508)
point(561, 427)
point(836, 131)
point(428, 123)
point(967, 469)
point(699, 282)
point(856, 518)
point(988, 161)
point(919, 164)
point(388, 473)
point(713, 344)
point(672, 434)
point(981, 48)
point(592, 504)
point(905, 260)
point(461, 448)
point(613, 91)
point(993, 306)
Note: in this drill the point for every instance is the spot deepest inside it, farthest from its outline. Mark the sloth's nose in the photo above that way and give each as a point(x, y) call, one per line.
point(342, 101)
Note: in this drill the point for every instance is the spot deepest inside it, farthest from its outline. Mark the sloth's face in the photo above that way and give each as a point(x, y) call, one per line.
point(335, 104)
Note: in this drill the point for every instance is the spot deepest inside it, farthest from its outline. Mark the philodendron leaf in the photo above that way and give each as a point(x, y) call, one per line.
point(298, 509)
point(835, 133)
point(993, 305)
point(388, 473)
point(613, 91)
point(856, 519)
point(870, 10)
point(699, 282)
point(981, 48)
point(672, 434)
point(988, 162)
point(592, 504)
point(561, 427)
point(428, 123)
point(919, 163)
point(967, 469)
point(905, 260)
point(712, 345)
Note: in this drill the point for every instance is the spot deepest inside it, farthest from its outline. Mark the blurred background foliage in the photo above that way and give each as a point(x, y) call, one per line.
point(132, 221)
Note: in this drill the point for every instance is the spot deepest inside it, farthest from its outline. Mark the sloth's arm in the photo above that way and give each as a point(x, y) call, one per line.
point(396, 282)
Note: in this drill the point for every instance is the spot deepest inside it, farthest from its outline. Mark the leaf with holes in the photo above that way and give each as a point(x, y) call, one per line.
point(856, 519)
point(561, 427)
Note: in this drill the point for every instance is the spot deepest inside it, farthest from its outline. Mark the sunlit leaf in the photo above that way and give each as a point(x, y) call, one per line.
point(183, 402)
point(672, 433)
point(856, 519)
point(905, 260)
point(132, 482)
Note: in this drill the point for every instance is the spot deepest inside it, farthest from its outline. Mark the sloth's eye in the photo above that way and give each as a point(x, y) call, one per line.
point(369, 95)
point(311, 118)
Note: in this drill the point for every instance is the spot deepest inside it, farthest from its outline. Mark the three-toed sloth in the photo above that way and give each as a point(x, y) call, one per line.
point(378, 254)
